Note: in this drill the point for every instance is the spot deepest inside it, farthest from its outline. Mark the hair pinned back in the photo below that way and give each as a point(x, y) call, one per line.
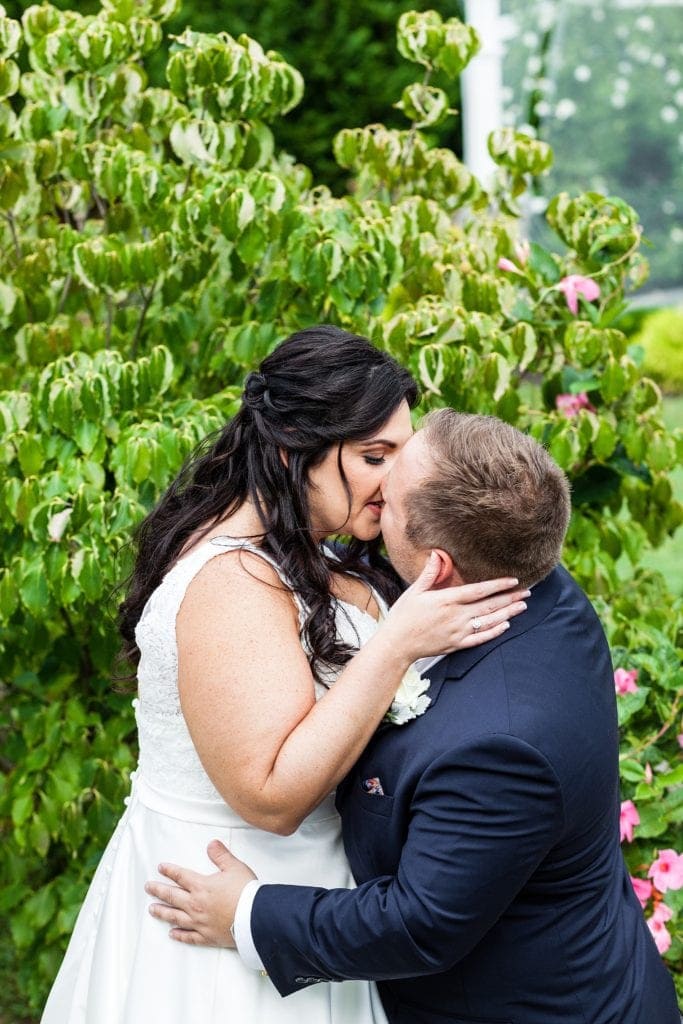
point(255, 390)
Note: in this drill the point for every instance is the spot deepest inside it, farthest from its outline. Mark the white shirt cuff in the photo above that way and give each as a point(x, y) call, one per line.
point(241, 928)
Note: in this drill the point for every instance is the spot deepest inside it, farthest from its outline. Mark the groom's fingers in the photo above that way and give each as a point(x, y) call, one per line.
point(170, 894)
point(171, 915)
point(183, 877)
point(188, 936)
point(220, 855)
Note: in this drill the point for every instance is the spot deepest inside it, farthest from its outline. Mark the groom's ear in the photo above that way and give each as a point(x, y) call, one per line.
point(448, 575)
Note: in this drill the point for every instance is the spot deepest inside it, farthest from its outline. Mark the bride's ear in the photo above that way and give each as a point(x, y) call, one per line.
point(284, 457)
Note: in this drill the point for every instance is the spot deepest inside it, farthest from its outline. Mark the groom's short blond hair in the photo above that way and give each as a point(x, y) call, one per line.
point(494, 500)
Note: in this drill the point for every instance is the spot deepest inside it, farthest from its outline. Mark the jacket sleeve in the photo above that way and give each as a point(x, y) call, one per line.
point(481, 820)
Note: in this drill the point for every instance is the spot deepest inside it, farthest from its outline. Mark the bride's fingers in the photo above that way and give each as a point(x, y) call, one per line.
point(494, 603)
point(468, 593)
point(485, 621)
point(481, 636)
point(427, 577)
point(487, 627)
point(503, 604)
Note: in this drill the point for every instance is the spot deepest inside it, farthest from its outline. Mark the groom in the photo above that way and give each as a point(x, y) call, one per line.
point(484, 834)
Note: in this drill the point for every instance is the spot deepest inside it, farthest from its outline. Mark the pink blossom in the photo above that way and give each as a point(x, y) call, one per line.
point(642, 889)
point(505, 264)
point(625, 681)
point(661, 912)
point(570, 404)
point(657, 926)
point(667, 871)
point(627, 819)
point(522, 251)
point(680, 739)
point(575, 285)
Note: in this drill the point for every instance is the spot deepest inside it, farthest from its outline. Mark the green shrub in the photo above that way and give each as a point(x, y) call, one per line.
point(156, 244)
point(661, 338)
point(346, 51)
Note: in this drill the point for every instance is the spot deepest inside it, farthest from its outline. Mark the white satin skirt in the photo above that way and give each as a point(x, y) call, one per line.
point(122, 968)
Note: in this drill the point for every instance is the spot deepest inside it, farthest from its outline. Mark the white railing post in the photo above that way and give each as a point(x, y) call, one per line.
point(481, 84)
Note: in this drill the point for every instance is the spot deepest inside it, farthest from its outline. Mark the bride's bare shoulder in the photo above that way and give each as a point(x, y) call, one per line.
point(236, 587)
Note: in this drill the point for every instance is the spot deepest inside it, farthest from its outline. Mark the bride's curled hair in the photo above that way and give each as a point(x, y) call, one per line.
point(319, 388)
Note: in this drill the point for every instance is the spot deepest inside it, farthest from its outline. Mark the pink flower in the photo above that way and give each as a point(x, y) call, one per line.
point(642, 889)
point(667, 871)
point(657, 926)
point(522, 251)
point(625, 681)
point(661, 912)
point(575, 285)
point(505, 264)
point(570, 404)
point(680, 739)
point(627, 819)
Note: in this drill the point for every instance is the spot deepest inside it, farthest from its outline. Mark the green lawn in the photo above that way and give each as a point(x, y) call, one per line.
point(669, 558)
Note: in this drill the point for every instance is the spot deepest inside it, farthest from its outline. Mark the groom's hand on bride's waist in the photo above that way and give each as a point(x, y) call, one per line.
point(201, 908)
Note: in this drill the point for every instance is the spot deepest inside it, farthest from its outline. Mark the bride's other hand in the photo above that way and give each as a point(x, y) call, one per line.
point(428, 619)
point(201, 908)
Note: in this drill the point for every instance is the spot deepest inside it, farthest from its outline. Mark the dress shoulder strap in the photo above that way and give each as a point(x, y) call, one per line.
point(186, 568)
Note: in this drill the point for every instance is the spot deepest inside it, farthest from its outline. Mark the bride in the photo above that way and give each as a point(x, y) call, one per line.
point(240, 618)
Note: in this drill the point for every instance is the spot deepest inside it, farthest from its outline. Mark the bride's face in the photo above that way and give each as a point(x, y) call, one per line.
point(365, 464)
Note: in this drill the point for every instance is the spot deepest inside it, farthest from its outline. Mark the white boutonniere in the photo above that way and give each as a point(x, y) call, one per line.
point(410, 699)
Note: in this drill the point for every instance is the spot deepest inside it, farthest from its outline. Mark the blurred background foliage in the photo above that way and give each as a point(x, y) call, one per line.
point(602, 82)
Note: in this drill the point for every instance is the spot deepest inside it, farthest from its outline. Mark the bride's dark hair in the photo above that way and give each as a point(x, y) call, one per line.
point(319, 388)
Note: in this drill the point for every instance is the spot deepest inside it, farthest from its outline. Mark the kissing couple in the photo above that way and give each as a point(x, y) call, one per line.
point(468, 868)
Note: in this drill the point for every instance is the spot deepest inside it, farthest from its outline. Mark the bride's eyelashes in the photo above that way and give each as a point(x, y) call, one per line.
point(374, 460)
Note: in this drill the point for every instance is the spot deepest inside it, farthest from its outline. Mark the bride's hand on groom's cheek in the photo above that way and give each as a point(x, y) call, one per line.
point(201, 908)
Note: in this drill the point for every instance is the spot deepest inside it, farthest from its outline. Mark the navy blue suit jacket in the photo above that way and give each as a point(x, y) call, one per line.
point(492, 888)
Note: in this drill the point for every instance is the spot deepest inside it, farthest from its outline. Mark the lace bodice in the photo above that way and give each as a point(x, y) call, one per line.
point(168, 759)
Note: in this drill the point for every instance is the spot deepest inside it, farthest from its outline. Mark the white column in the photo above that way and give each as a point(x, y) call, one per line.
point(481, 84)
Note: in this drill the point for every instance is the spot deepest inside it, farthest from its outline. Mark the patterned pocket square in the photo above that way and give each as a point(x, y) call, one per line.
point(373, 787)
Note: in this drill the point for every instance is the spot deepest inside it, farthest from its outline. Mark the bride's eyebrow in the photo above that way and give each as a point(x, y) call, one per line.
point(378, 440)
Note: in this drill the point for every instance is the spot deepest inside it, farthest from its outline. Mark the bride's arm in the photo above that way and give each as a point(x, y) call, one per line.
point(247, 692)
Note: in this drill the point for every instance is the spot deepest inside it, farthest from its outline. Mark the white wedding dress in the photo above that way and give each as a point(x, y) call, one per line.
point(121, 967)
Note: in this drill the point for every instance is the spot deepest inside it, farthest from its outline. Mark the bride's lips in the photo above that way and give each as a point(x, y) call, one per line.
point(375, 507)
